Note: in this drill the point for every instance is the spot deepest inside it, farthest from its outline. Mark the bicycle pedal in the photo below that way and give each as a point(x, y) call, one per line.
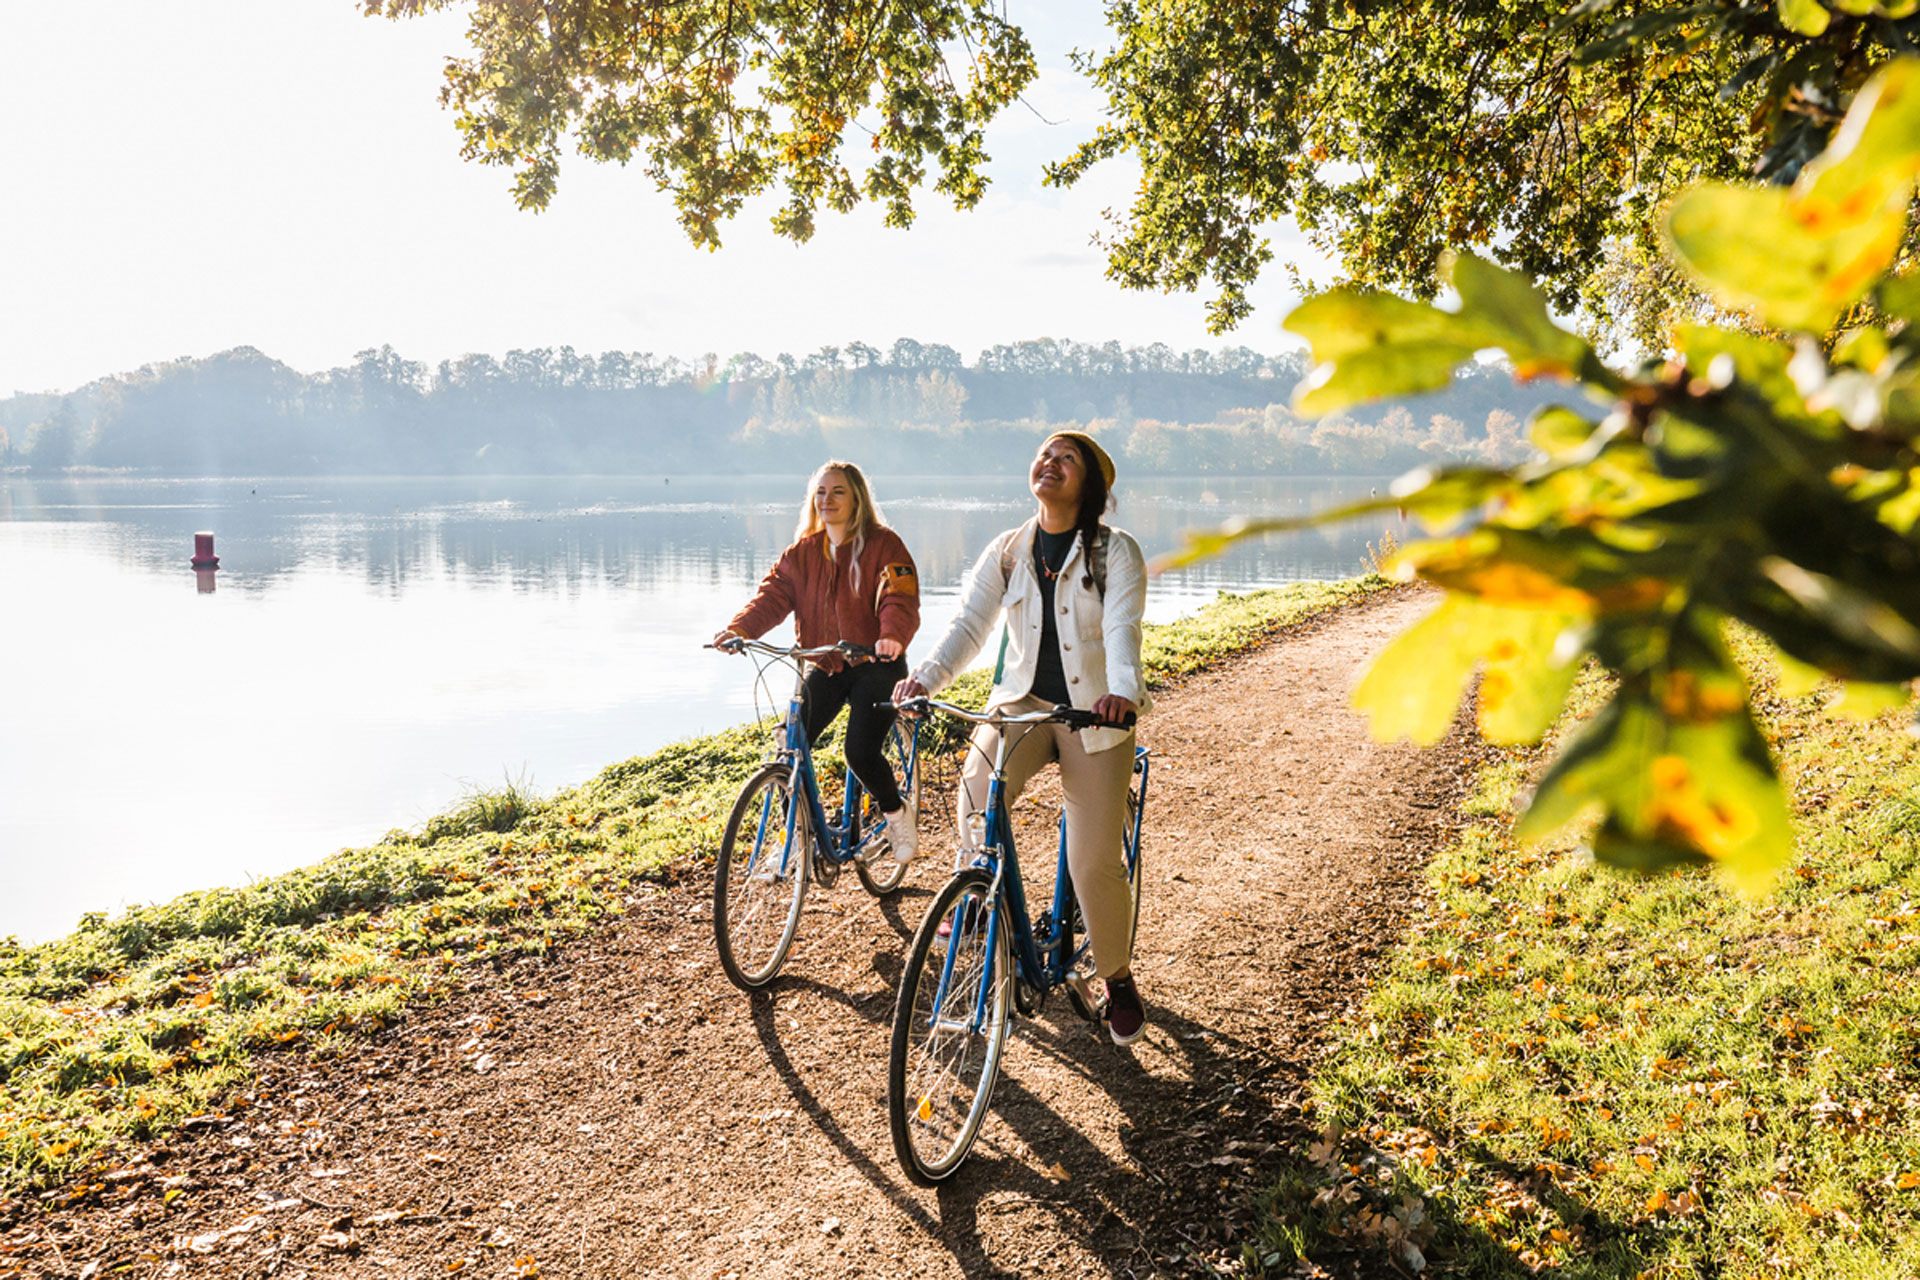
point(1080, 996)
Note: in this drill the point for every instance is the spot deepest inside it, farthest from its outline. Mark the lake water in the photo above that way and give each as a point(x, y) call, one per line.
point(373, 649)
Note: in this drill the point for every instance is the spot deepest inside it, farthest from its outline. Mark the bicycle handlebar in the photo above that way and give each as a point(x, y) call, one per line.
point(1073, 717)
point(843, 648)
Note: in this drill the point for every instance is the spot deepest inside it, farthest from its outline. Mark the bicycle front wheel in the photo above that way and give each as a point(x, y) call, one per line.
point(949, 1030)
point(760, 879)
point(880, 875)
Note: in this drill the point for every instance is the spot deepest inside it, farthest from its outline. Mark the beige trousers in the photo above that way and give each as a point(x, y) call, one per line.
point(1095, 786)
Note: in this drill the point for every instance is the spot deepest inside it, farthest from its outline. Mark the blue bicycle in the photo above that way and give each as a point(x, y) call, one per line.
point(778, 837)
point(977, 959)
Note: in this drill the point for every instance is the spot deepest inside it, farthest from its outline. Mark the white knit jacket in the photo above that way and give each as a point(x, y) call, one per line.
point(1099, 639)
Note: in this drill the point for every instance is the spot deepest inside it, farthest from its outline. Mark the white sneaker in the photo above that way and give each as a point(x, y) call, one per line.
point(903, 831)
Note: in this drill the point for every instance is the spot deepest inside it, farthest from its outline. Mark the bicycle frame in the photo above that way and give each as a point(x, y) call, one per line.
point(1043, 960)
point(977, 960)
point(841, 841)
point(778, 837)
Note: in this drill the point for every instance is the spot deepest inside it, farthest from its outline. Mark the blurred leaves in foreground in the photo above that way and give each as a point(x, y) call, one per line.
point(1768, 476)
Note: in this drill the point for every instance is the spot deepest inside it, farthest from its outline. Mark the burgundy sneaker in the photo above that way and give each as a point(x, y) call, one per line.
point(1126, 1016)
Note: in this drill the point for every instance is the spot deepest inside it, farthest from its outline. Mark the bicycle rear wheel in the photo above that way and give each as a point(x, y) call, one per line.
point(949, 1030)
point(760, 878)
point(881, 875)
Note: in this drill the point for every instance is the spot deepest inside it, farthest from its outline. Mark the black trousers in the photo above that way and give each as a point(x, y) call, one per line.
point(857, 688)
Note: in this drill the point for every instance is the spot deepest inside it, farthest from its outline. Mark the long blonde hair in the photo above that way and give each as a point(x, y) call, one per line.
point(865, 518)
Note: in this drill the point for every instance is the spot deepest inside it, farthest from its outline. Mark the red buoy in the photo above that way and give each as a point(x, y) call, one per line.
point(203, 557)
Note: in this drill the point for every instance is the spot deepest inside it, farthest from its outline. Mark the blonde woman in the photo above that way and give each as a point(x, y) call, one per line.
point(846, 577)
point(1072, 590)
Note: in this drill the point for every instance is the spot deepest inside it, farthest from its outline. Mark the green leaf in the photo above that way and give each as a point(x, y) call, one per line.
point(1621, 849)
point(1524, 686)
point(1414, 687)
point(1371, 345)
point(1672, 790)
point(1873, 157)
point(1799, 258)
point(1378, 374)
point(1900, 296)
point(1439, 494)
point(1602, 758)
point(1852, 614)
point(1863, 348)
point(1757, 251)
point(1804, 16)
point(1344, 321)
point(1507, 306)
point(1556, 431)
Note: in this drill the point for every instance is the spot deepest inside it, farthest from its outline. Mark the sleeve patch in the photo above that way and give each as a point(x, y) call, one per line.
point(899, 579)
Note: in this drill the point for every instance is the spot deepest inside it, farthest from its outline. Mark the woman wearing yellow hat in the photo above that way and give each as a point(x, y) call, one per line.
point(1072, 589)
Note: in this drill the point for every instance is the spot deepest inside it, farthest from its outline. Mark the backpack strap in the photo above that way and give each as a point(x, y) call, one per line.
point(1097, 560)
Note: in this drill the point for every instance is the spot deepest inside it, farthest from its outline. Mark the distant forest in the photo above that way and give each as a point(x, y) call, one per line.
point(914, 407)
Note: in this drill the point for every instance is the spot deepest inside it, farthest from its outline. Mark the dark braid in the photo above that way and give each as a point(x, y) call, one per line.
point(1095, 499)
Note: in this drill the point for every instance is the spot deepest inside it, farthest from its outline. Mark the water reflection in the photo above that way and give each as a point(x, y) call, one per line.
point(643, 533)
point(376, 646)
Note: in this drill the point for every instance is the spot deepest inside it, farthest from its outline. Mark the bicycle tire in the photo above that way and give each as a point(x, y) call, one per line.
point(749, 930)
point(881, 875)
point(941, 1072)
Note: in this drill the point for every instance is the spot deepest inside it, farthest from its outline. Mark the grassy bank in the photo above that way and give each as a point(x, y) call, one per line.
point(1567, 1070)
point(131, 1024)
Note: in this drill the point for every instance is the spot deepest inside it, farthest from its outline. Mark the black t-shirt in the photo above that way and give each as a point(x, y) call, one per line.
point(1049, 553)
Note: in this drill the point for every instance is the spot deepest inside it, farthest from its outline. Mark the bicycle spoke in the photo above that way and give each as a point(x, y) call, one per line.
point(760, 879)
point(949, 1032)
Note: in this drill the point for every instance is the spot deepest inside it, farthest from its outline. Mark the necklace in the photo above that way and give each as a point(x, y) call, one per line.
point(1049, 572)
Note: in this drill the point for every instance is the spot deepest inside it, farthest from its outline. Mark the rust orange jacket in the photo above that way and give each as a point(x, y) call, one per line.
point(829, 601)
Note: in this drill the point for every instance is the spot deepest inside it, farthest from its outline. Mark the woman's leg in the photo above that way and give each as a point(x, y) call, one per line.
point(867, 727)
point(824, 693)
point(1030, 751)
point(1095, 784)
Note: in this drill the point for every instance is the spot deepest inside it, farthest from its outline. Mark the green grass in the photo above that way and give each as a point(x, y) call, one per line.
point(1566, 1069)
point(130, 1024)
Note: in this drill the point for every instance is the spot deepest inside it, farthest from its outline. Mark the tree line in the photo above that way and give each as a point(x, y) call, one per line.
point(912, 406)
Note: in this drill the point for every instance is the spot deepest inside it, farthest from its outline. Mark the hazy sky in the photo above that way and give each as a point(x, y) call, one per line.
point(185, 176)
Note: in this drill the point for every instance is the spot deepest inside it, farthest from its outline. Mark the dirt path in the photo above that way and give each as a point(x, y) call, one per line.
point(622, 1111)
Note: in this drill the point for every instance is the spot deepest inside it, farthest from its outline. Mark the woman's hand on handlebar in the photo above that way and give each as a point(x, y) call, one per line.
point(726, 642)
point(887, 650)
point(908, 688)
point(1112, 708)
